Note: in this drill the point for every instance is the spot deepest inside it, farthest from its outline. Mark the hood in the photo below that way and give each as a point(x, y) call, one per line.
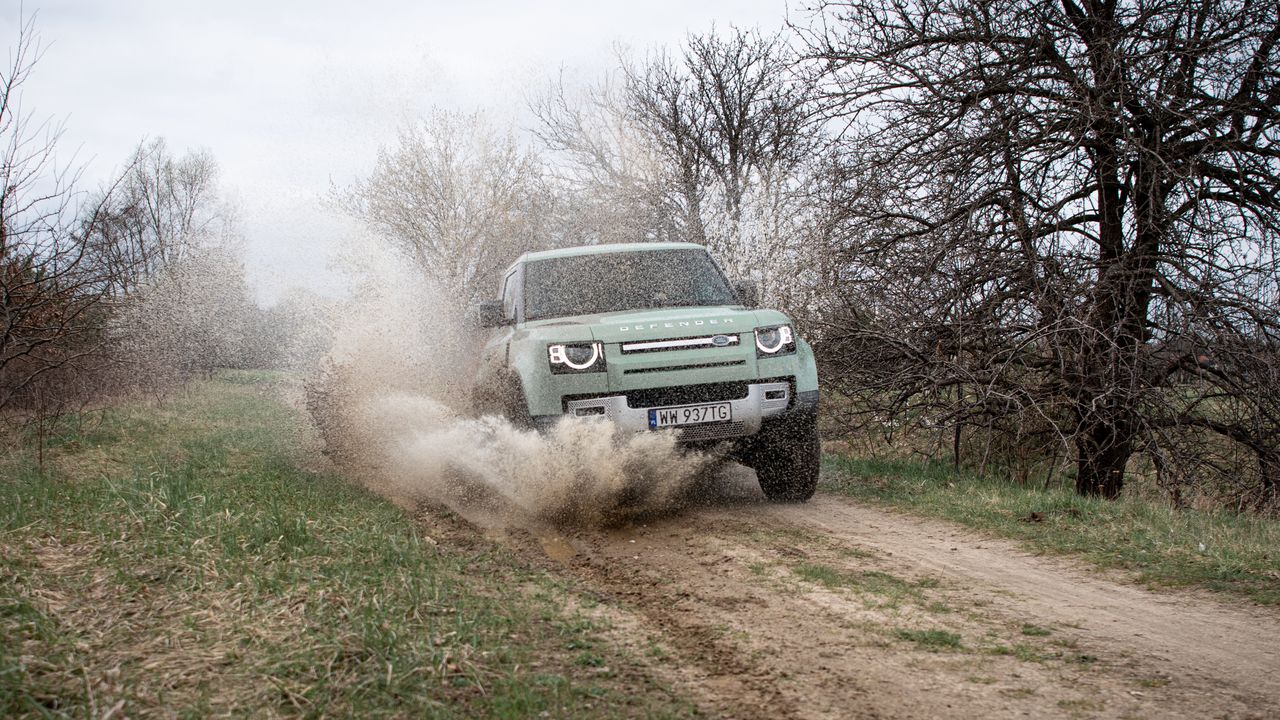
point(656, 324)
point(672, 323)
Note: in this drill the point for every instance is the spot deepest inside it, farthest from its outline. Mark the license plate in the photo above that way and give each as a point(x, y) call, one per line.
point(690, 415)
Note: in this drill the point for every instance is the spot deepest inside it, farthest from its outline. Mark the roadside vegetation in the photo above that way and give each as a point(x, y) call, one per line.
point(1160, 545)
point(187, 559)
point(986, 238)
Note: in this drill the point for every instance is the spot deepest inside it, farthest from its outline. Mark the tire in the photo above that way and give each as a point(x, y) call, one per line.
point(786, 464)
point(513, 406)
point(504, 398)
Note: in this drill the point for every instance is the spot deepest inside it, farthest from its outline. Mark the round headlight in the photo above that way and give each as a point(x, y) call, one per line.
point(580, 357)
point(774, 340)
point(576, 357)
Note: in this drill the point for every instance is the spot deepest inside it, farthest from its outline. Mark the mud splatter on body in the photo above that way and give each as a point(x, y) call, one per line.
point(393, 403)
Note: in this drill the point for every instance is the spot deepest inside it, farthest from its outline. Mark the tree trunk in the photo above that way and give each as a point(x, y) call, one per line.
point(1104, 449)
point(955, 447)
point(1269, 471)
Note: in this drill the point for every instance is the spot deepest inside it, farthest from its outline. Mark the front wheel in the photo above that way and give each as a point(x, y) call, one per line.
point(787, 464)
point(503, 397)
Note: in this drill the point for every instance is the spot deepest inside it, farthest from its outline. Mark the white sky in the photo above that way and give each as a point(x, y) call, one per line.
point(291, 95)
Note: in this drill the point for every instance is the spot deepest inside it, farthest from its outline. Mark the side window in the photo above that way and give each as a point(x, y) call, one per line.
point(517, 294)
point(509, 295)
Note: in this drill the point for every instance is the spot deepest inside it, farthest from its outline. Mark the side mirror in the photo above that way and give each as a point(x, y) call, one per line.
point(488, 314)
point(748, 292)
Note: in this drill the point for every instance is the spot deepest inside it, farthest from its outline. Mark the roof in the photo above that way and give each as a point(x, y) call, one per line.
point(607, 248)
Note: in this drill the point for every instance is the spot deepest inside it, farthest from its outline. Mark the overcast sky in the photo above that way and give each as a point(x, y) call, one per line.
point(291, 95)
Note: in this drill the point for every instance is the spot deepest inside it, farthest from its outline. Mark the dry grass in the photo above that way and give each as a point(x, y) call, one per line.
point(219, 577)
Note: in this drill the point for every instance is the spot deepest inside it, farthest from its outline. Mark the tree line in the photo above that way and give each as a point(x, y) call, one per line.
point(1034, 236)
point(135, 286)
point(1022, 234)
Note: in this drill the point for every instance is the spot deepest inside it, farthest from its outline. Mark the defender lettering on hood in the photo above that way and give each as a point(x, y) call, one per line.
point(675, 324)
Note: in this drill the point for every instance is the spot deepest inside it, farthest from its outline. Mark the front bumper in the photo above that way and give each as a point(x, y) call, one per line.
point(763, 401)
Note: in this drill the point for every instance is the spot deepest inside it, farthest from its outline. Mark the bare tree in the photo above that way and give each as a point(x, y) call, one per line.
point(164, 209)
point(183, 305)
point(731, 110)
point(713, 146)
point(458, 198)
point(132, 285)
point(51, 289)
point(187, 320)
point(1061, 216)
point(612, 180)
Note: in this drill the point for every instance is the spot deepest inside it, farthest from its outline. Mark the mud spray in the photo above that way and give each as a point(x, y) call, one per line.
point(393, 402)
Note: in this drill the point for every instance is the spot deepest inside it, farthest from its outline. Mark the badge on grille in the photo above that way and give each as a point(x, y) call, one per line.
point(721, 340)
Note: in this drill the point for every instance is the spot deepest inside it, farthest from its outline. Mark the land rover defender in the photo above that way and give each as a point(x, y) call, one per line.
point(653, 337)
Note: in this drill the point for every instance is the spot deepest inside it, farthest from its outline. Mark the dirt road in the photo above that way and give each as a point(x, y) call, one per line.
point(835, 610)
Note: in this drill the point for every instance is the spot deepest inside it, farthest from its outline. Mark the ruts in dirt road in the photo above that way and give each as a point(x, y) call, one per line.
point(831, 609)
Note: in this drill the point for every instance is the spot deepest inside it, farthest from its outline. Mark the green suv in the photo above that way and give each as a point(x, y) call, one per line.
point(653, 336)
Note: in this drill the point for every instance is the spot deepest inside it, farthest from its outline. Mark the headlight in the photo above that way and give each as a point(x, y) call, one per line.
point(779, 340)
point(576, 357)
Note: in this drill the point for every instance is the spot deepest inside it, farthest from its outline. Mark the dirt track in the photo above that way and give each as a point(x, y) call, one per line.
point(808, 611)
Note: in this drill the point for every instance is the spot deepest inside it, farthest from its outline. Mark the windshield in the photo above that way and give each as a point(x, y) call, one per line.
point(610, 282)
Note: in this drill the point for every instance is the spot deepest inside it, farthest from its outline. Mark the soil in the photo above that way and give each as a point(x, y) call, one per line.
point(832, 609)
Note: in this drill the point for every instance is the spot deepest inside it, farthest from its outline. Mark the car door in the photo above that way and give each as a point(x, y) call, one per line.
point(493, 374)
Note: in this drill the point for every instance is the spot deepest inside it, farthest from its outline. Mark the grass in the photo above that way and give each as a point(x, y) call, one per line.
point(181, 560)
point(893, 589)
point(1082, 706)
point(1219, 551)
point(1024, 652)
point(932, 639)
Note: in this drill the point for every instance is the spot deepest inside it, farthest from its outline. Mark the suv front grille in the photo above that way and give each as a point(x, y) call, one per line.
point(713, 431)
point(686, 394)
point(677, 368)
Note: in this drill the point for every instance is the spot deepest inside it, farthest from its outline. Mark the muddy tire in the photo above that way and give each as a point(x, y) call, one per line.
point(786, 464)
point(514, 408)
point(504, 398)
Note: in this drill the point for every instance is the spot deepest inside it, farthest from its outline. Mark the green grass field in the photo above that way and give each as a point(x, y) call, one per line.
point(182, 560)
point(194, 558)
point(1221, 551)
